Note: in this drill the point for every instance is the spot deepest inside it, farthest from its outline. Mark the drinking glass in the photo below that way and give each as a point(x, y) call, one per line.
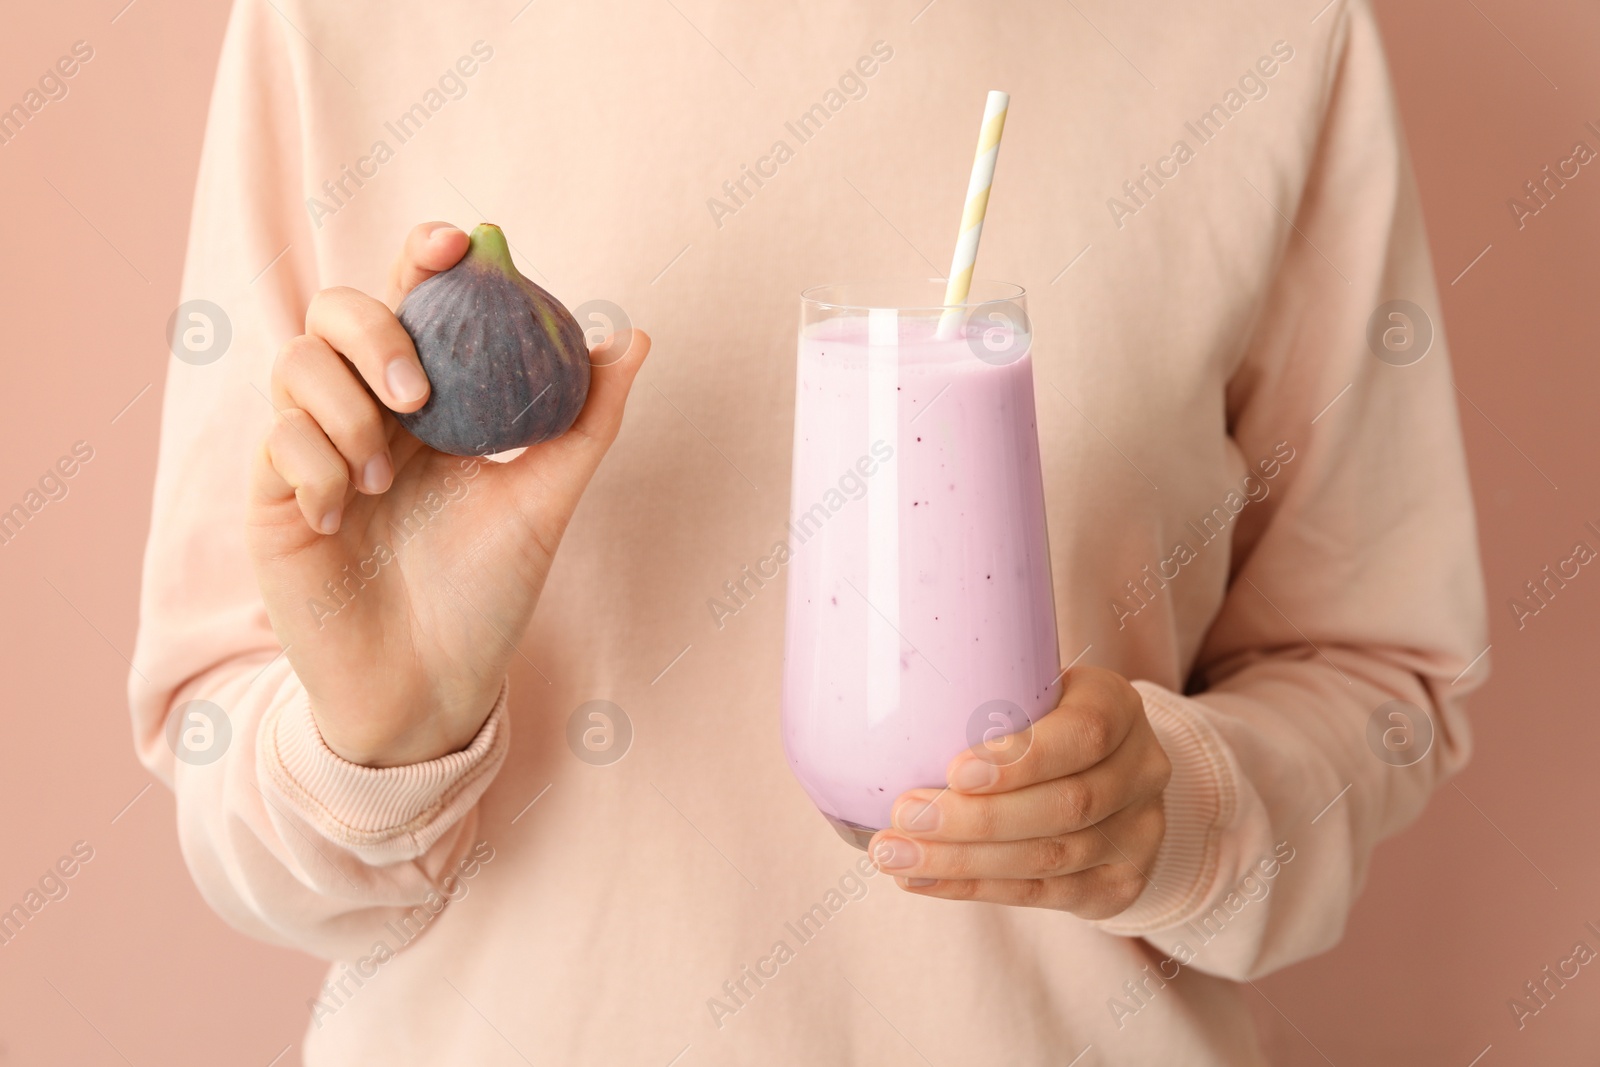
point(920, 618)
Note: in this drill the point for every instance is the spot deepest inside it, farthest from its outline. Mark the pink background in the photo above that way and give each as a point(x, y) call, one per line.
point(1459, 911)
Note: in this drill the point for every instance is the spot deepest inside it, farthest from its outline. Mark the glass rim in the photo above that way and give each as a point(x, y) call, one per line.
point(1008, 291)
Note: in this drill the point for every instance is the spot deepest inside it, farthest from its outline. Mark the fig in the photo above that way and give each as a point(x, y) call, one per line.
point(507, 363)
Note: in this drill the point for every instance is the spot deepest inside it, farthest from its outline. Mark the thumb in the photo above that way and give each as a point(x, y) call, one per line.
point(430, 247)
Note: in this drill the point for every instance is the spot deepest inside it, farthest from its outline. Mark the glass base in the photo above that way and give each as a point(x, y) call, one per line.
point(858, 836)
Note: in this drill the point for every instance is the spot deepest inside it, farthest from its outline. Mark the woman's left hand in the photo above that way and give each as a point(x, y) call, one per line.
point(1072, 823)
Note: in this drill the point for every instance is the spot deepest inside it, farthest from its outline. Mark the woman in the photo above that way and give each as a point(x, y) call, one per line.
point(1262, 544)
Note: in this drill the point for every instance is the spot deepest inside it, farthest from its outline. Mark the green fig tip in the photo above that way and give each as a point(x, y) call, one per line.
point(489, 243)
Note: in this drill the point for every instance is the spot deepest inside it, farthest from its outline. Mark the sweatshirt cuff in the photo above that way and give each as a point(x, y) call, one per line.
point(383, 814)
point(1200, 801)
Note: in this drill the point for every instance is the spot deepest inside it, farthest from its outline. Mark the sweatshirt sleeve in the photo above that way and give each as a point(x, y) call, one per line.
point(286, 840)
point(1325, 704)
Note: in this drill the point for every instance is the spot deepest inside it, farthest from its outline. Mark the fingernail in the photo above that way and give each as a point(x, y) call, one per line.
point(896, 853)
point(973, 774)
point(376, 475)
point(330, 522)
point(405, 380)
point(920, 883)
point(922, 816)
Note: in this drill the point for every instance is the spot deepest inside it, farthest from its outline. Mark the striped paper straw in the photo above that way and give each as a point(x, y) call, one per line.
point(960, 283)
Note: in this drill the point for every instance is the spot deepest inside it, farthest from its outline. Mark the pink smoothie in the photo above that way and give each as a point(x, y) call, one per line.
point(919, 575)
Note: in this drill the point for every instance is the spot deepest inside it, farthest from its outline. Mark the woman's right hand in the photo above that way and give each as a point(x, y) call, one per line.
point(399, 578)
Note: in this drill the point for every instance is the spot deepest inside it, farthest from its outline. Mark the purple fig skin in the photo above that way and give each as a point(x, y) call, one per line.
point(507, 363)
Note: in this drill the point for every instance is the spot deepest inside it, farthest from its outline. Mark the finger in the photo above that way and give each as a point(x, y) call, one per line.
point(614, 364)
point(309, 375)
point(429, 248)
point(1096, 711)
point(309, 467)
point(1136, 771)
point(366, 333)
point(1130, 836)
point(561, 468)
point(1098, 893)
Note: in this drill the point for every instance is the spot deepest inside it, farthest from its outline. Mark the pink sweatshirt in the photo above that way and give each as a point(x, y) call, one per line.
point(1253, 516)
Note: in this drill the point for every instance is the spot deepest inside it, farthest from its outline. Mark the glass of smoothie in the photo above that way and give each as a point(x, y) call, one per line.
point(920, 616)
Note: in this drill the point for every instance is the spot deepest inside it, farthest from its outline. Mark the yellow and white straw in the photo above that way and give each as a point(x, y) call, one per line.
point(960, 283)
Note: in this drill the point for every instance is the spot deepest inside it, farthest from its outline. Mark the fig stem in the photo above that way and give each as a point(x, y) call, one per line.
point(489, 243)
